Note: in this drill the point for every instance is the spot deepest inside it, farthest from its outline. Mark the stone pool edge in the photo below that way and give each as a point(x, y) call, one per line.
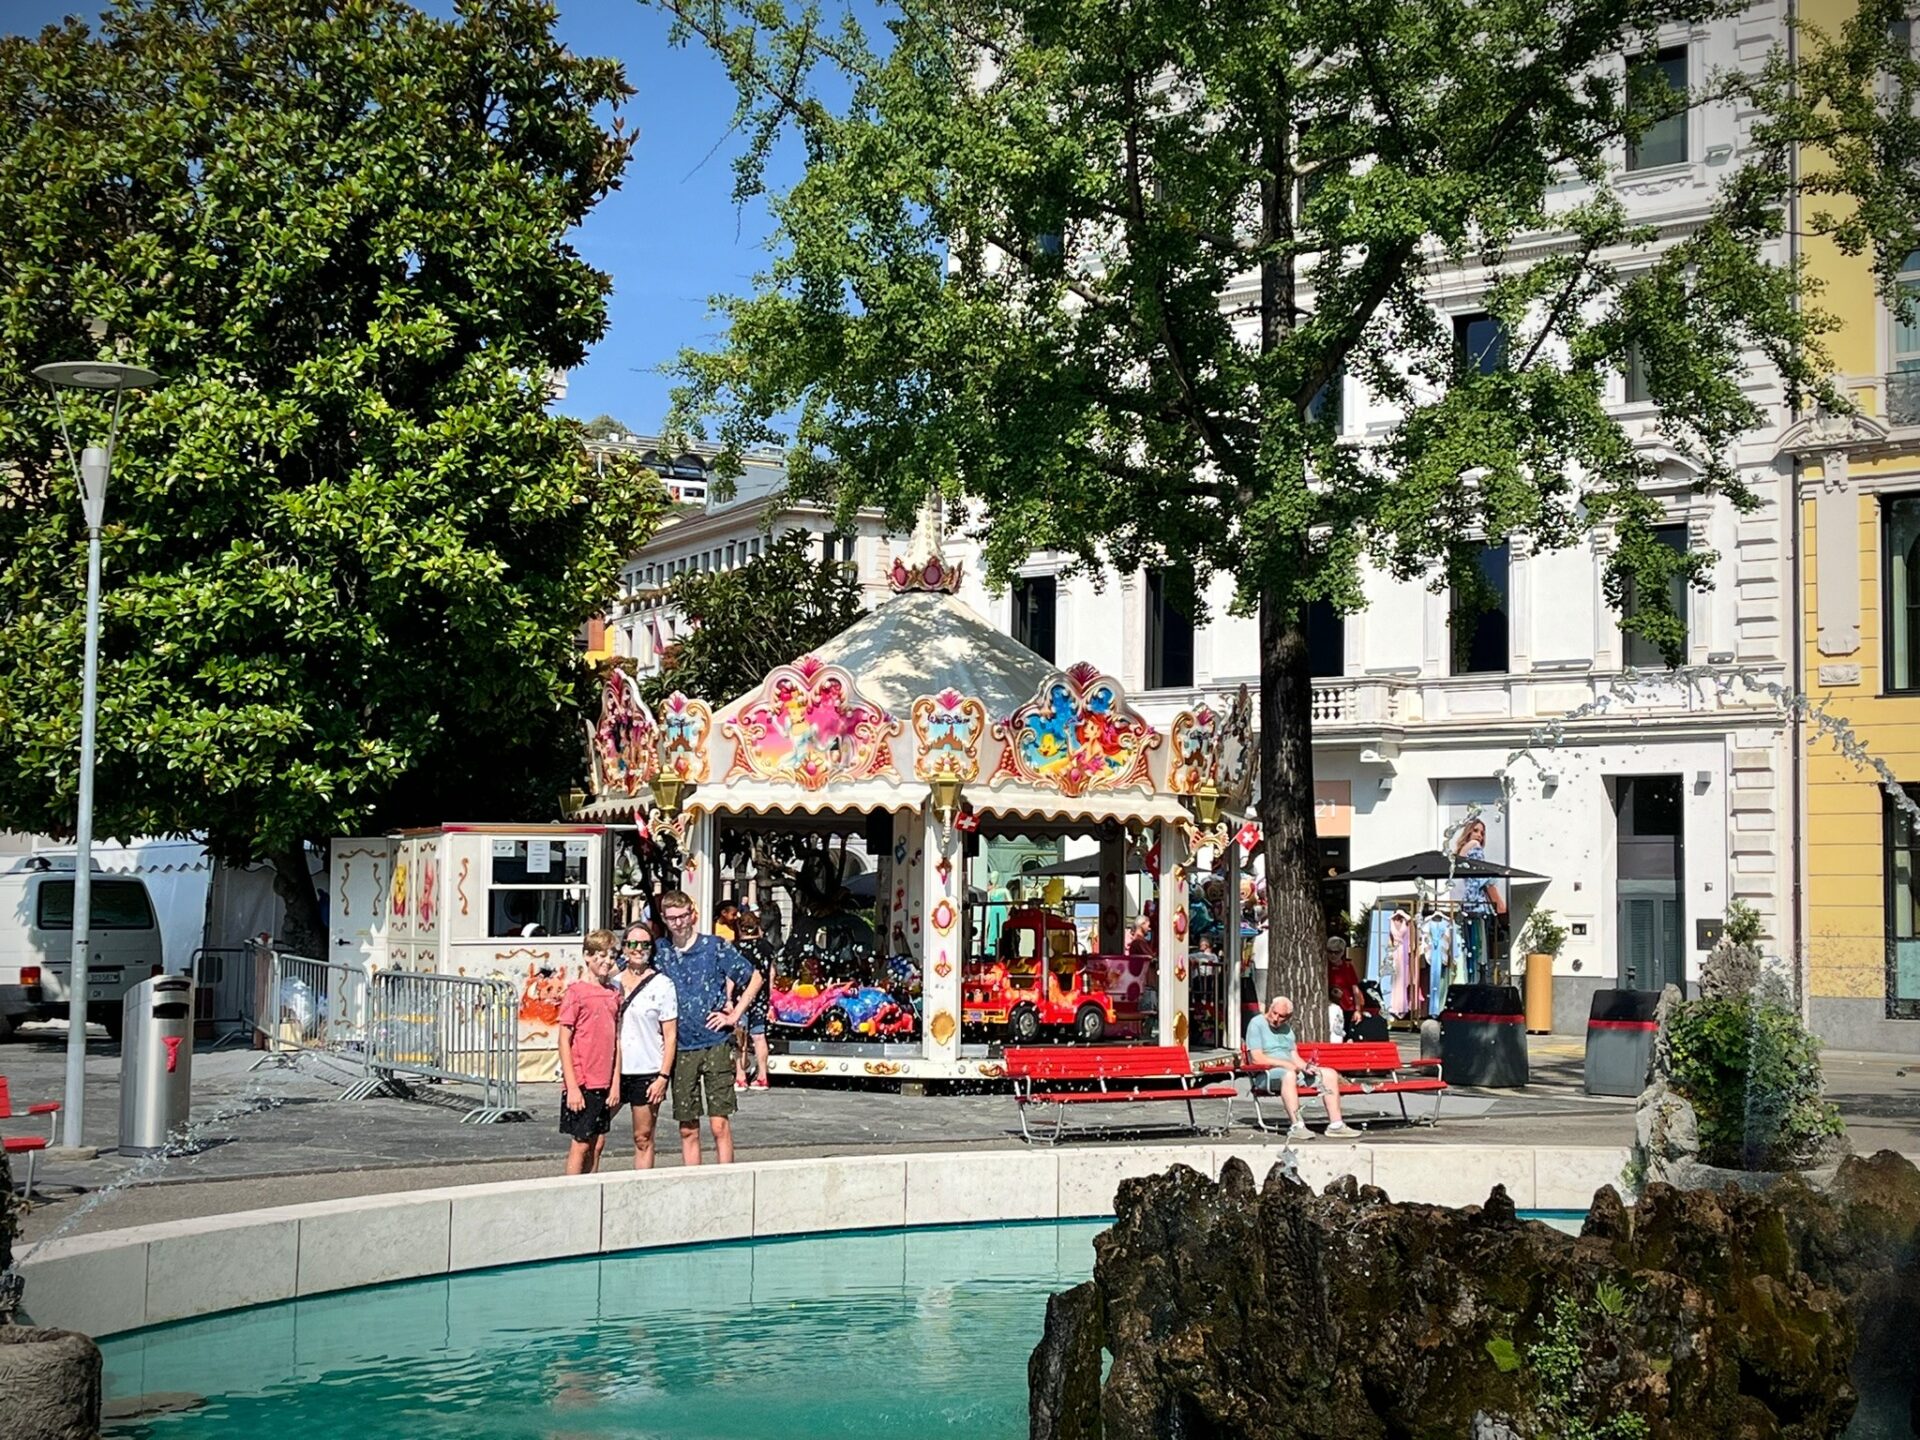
point(114, 1281)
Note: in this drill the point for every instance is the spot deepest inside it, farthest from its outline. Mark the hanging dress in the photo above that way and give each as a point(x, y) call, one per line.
point(1400, 998)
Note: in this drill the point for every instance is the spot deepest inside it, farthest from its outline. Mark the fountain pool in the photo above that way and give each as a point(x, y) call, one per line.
point(875, 1334)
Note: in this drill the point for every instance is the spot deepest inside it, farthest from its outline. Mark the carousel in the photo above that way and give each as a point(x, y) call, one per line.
point(913, 739)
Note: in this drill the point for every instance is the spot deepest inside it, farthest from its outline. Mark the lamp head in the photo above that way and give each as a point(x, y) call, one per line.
point(946, 792)
point(668, 790)
point(1206, 805)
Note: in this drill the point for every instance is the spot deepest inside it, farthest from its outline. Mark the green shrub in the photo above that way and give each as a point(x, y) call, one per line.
point(1751, 1071)
point(1543, 934)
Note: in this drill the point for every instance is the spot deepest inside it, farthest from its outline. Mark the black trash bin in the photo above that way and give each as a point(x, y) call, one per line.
point(1483, 1036)
point(1620, 1031)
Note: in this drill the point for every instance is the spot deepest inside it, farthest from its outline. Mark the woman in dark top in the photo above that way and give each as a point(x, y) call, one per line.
point(749, 940)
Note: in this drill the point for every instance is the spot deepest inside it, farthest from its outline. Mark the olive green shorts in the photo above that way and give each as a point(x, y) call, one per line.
point(709, 1070)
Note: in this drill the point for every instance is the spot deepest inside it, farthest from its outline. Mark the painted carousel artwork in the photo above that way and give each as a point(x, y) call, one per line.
point(1078, 735)
point(810, 727)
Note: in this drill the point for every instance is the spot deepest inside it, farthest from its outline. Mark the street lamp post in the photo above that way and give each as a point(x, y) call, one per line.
point(91, 468)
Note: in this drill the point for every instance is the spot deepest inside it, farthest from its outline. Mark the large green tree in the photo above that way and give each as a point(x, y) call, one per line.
point(347, 548)
point(1091, 262)
point(743, 622)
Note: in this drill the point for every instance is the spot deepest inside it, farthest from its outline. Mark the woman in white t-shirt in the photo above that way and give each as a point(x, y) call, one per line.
point(649, 1034)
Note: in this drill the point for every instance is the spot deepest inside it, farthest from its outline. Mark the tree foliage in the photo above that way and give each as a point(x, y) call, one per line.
point(1093, 263)
point(347, 549)
point(743, 622)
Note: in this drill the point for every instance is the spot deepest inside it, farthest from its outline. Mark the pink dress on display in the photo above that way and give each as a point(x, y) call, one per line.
point(1400, 948)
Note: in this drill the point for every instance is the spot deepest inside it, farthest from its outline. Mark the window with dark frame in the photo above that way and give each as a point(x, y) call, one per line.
point(1169, 629)
point(1900, 600)
point(1328, 406)
point(1326, 631)
point(1637, 392)
point(1902, 847)
point(1479, 343)
point(1640, 652)
point(1478, 615)
point(1659, 80)
point(1036, 600)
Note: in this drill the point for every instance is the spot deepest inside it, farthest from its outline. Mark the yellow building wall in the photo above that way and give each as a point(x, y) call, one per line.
point(1845, 897)
point(1844, 815)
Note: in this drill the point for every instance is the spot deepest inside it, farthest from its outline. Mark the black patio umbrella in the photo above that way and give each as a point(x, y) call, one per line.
point(1086, 867)
point(1437, 865)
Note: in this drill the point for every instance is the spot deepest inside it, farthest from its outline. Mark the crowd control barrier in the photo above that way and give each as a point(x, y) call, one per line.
point(460, 1028)
point(306, 1005)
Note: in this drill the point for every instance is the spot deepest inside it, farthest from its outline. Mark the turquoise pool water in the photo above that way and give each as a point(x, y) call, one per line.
point(909, 1334)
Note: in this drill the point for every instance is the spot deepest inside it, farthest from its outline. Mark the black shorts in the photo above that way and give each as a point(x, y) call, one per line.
point(590, 1122)
point(633, 1088)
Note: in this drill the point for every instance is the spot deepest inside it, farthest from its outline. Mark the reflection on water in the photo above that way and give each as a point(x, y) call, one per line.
point(893, 1333)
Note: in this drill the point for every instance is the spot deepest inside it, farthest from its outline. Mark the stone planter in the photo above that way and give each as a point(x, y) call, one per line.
point(51, 1379)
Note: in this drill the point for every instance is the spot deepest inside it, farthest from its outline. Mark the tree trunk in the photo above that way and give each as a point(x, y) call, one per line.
point(302, 931)
point(1296, 942)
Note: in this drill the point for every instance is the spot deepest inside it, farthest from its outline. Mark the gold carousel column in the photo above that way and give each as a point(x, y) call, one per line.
point(943, 877)
point(1171, 934)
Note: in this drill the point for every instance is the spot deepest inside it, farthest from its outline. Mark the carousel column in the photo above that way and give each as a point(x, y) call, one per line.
point(1113, 891)
point(1172, 935)
point(696, 862)
point(944, 877)
point(1233, 963)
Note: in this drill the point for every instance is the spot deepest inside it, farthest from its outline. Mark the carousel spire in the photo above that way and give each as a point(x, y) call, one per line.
point(923, 567)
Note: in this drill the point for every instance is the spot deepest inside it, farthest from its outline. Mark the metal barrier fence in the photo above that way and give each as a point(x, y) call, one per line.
point(447, 1027)
point(302, 1005)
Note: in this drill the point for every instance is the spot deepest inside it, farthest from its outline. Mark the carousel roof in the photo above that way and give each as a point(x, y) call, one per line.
point(921, 690)
point(921, 642)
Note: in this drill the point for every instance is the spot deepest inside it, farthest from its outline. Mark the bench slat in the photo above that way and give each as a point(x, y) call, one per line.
point(1118, 1097)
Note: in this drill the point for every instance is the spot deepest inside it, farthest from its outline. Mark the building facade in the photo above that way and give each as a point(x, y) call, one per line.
point(1649, 799)
point(1858, 481)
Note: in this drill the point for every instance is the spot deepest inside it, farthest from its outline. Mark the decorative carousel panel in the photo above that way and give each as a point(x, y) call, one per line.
point(624, 746)
point(947, 730)
point(685, 727)
point(1214, 746)
point(809, 727)
point(1079, 734)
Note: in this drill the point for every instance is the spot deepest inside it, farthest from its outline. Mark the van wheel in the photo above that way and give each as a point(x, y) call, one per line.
point(1089, 1024)
point(6, 1028)
point(111, 1019)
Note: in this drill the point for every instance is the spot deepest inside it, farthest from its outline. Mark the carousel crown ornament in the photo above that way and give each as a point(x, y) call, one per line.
point(923, 567)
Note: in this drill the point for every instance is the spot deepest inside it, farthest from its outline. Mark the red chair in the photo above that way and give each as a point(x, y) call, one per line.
point(28, 1145)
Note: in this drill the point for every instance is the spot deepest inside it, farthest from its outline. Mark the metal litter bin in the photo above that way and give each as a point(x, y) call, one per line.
point(1620, 1034)
point(1483, 1036)
point(156, 1063)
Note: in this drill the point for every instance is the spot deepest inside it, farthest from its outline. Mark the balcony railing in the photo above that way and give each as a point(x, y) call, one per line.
point(1360, 702)
point(1903, 397)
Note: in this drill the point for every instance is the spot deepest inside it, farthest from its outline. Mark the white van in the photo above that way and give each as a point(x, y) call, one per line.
point(36, 941)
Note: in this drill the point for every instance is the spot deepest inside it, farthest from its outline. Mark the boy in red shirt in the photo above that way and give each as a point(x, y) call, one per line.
point(589, 1055)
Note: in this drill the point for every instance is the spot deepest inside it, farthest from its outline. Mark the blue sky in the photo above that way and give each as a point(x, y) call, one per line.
point(670, 237)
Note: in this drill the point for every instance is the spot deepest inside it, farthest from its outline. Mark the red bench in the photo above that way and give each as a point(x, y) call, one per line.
point(1365, 1067)
point(1064, 1075)
point(28, 1145)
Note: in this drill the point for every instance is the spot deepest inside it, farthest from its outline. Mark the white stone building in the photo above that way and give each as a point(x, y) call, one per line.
point(1648, 805)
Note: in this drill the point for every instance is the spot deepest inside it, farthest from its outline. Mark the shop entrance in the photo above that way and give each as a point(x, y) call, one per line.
point(1650, 854)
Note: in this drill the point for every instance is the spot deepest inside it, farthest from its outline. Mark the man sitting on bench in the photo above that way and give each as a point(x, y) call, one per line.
point(1270, 1043)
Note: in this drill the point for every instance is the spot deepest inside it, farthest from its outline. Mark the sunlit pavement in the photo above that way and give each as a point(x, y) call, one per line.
point(280, 1135)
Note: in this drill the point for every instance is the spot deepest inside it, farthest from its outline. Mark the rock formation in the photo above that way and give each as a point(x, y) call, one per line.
point(51, 1383)
point(1243, 1314)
